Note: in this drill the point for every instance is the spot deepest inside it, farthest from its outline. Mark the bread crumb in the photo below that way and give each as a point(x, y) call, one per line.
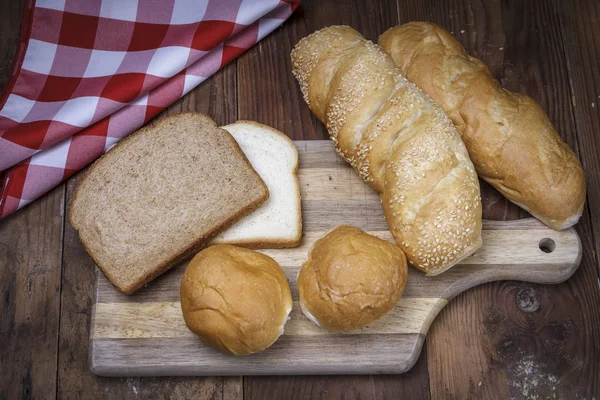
point(531, 381)
point(131, 384)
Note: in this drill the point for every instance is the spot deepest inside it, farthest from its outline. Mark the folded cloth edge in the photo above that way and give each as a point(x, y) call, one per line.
point(20, 169)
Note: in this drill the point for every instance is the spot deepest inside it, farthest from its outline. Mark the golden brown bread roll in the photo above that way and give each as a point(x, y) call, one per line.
point(235, 299)
point(351, 279)
point(398, 140)
point(509, 137)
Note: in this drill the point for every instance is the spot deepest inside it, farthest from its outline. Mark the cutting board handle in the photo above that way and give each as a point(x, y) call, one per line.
point(549, 253)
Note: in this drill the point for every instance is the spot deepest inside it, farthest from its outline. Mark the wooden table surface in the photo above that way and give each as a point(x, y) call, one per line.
point(498, 340)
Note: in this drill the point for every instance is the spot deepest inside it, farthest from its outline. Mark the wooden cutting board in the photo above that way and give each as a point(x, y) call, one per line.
point(144, 334)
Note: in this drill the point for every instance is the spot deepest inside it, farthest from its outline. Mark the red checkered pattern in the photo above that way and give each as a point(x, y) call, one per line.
point(88, 73)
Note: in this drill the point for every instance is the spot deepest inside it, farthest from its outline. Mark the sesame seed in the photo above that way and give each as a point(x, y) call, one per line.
point(414, 132)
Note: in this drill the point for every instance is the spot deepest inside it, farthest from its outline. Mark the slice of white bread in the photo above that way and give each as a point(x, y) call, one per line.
point(159, 195)
point(278, 222)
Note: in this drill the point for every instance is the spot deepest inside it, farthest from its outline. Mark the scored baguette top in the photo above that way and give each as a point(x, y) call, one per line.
point(398, 140)
point(327, 42)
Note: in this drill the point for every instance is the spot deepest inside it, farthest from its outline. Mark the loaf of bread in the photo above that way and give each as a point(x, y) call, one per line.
point(237, 300)
point(351, 279)
point(509, 137)
point(398, 140)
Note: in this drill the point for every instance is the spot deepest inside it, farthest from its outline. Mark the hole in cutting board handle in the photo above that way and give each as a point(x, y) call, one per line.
point(547, 245)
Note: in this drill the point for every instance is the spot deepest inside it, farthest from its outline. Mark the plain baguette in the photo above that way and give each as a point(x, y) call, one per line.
point(509, 137)
point(398, 140)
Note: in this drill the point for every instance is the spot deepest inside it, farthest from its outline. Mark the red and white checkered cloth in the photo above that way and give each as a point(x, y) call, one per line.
point(88, 73)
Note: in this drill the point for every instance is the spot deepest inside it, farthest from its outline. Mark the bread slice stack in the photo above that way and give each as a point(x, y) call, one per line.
point(278, 222)
point(160, 195)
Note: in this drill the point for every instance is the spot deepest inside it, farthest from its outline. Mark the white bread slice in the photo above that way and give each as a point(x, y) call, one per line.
point(278, 222)
point(160, 195)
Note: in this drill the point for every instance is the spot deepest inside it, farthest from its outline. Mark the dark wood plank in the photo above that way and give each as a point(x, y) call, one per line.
point(267, 90)
point(314, 387)
point(30, 268)
point(30, 271)
point(215, 97)
point(412, 385)
point(505, 340)
point(10, 24)
point(75, 380)
point(581, 42)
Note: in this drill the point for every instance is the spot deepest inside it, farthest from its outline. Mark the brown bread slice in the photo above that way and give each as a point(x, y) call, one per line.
point(156, 198)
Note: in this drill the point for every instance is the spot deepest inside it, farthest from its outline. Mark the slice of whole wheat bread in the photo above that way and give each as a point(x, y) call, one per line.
point(278, 222)
point(159, 195)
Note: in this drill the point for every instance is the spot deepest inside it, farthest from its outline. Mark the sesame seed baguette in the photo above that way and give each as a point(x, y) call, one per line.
point(398, 140)
point(510, 139)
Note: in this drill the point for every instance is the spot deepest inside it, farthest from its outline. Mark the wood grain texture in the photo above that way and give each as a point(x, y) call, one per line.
point(314, 387)
point(478, 348)
point(289, 355)
point(10, 25)
point(267, 90)
point(412, 385)
point(165, 320)
point(30, 270)
point(215, 97)
point(581, 43)
point(492, 262)
point(152, 318)
point(500, 342)
point(212, 97)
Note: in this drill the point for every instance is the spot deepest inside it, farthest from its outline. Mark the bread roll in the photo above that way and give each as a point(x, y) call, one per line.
point(237, 300)
point(509, 137)
point(398, 140)
point(351, 279)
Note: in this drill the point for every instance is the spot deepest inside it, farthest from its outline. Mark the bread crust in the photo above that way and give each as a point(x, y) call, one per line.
point(235, 299)
point(179, 254)
point(398, 141)
point(351, 279)
point(510, 139)
point(265, 243)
